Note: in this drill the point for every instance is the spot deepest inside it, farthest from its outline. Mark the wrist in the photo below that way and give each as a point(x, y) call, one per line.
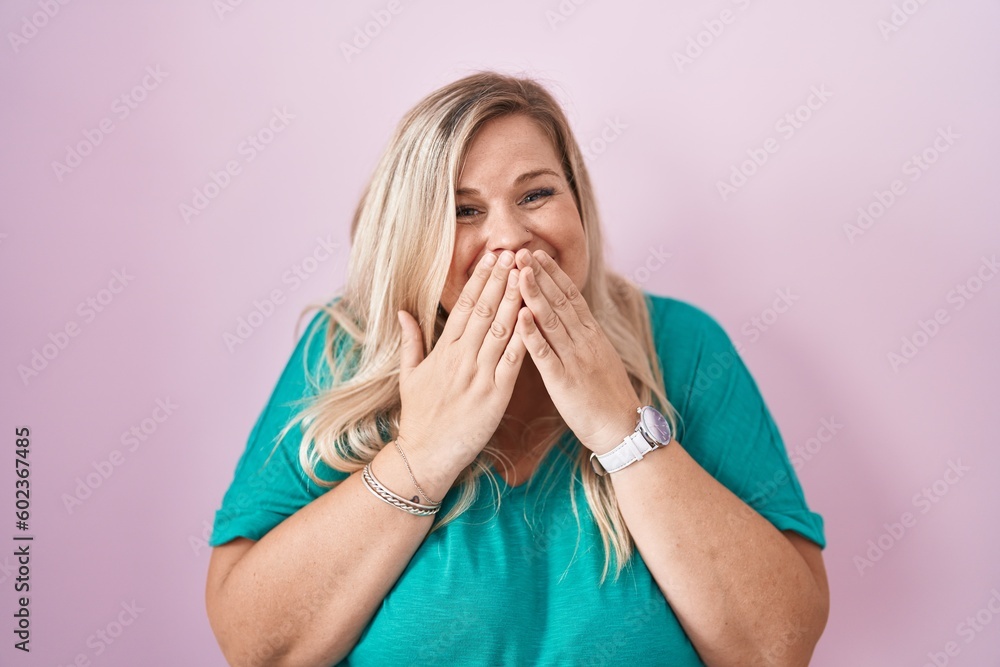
point(617, 431)
point(652, 431)
point(427, 468)
point(388, 467)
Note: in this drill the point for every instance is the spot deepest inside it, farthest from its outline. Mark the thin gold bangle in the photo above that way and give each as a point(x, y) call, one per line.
point(412, 478)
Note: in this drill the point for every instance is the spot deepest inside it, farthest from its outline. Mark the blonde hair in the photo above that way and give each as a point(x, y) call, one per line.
point(403, 236)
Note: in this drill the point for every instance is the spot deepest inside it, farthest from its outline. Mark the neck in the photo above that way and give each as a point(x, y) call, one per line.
point(530, 397)
point(529, 401)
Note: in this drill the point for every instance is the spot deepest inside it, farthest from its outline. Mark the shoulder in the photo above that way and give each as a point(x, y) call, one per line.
point(699, 360)
point(317, 333)
point(679, 325)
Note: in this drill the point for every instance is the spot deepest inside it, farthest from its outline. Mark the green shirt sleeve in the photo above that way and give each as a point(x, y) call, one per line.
point(266, 488)
point(726, 425)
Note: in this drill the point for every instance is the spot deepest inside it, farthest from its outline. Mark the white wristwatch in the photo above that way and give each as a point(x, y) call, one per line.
point(652, 432)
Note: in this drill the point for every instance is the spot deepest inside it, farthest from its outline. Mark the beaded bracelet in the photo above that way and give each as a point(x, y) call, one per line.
point(387, 496)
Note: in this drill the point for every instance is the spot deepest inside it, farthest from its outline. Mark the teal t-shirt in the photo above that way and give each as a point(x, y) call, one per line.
point(519, 586)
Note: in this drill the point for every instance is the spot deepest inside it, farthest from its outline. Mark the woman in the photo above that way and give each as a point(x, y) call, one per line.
point(485, 429)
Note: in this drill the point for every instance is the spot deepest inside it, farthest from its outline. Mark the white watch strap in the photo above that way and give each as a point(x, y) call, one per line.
point(633, 448)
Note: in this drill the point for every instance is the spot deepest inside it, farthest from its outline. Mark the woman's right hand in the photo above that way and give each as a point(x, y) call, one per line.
point(452, 401)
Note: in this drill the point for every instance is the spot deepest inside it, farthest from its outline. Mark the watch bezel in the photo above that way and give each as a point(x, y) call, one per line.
point(649, 425)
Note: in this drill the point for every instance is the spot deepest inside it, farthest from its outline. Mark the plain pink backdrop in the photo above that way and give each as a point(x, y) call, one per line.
point(661, 133)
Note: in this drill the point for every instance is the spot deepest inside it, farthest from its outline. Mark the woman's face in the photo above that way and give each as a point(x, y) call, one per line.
point(512, 194)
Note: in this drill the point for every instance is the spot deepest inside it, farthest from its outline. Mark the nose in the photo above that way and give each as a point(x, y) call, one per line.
point(507, 230)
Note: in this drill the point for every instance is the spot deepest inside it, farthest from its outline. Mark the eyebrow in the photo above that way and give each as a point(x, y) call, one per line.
point(526, 176)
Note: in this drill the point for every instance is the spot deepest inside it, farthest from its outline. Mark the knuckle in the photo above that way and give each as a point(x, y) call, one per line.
point(483, 309)
point(510, 357)
point(551, 321)
point(560, 302)
point(572, 293)
point(498, 330)
point(465, 302)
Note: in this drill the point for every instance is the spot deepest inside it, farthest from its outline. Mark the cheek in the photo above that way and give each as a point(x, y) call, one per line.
point(458, 276)
point(573, 251)
point(461, 268)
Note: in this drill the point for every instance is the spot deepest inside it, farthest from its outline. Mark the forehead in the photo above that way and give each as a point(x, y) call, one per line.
point(505, 147)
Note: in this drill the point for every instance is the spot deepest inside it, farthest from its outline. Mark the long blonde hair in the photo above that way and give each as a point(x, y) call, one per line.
point(402, 240)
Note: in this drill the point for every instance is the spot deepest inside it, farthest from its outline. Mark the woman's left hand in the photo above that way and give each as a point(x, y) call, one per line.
point(581, 369)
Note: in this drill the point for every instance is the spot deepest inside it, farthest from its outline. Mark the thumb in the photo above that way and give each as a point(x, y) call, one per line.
point(412, 349)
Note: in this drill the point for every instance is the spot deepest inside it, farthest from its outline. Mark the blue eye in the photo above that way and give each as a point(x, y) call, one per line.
point(532, 197)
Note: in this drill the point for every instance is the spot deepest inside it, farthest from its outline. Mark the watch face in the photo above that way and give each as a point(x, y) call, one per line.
point(655, 425)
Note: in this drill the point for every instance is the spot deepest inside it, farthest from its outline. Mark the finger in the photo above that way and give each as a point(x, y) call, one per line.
point(503, 324)
point(411, 351)
point(485, 310)
point(509, 366)
point(541, 352)
point(565, 285)
point(462, 310)
point(544, 316)
point(556, 297)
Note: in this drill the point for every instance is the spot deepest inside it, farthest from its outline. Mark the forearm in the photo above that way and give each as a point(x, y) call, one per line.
point(303, 594)
point(741, 590)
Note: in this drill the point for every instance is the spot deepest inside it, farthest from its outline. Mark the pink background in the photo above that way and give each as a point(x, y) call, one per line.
point(139, 535)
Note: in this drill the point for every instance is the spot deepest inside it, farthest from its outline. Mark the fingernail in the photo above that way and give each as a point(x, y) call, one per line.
point(489, 259)
point(506, 258)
